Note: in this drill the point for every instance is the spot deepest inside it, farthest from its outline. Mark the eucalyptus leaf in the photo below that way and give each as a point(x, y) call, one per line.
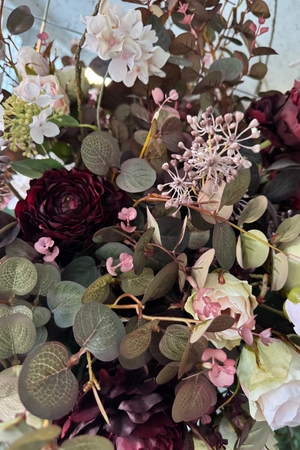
point(8, 236)
point(12, 430)
point(99, 151)
point(194, 398)
point(162, 282)
point(280, 271)
point(136, 176)
point(41, 335)
point(231, 68)
point(179, 61)
point(251, 253)
point(235, 190)
point(256, 438)
point(98, 329)
point(192, 355)
point(37, 439)
point(174, 341)
point(65, 121)
point(197, 237)
point(201, 267)
point(87, 442)
point(288, 230)
point(168, 373)
point(41, 315)
point(254, 210)
point(138, 341)
point(139, 257)
point(64, 300)
point(10, 403)
point(22, 249)
point(17, 276)
point(136, 284)
point(170, 230)
point(47, 388)
point(113, 250)
point(136, 363)
point(20, 20)
point(98, 291)
point(82, 270)
point(17, 335)
point(224, 243)
point(164, 39)
point(47, 277)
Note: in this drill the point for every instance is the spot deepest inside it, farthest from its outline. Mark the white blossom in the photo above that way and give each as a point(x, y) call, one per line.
point(33, 92)
point(40, 127)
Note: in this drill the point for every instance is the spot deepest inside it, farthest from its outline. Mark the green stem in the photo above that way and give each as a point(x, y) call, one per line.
point(100, 99)
point(7, 227)
point(265, 144)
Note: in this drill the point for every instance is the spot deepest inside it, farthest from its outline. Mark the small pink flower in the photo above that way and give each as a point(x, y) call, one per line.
point(253, 27)
point(261, 20)
point(182, 8)
point(187, 20)
point(126, 264)
point(43, 245)
point(265, 337)
point(157, 95)
point(127, 214)
point(220, 376)
point(245, 330)
point(173, 94)
point(43, 36)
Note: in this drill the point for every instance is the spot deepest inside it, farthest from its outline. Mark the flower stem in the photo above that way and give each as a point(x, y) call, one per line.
point(265, 144)
point(7, 227)
point(100, 99)
point(276, 311)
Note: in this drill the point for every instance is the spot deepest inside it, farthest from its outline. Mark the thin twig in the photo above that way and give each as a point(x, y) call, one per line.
point(100, 99)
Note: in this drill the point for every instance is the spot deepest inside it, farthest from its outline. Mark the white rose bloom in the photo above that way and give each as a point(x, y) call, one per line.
point(271, 381)
point(130, 45)
point(28, 56)
point(235, 299)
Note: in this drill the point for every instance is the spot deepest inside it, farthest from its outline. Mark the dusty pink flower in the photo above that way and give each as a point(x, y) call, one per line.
point(261, 20)
point(43, 246)
point(265, 337)
point(182, 8)
point(220, 376)
point(245, 330)
point(157, 95)
point(126, 264)
point(127, 214)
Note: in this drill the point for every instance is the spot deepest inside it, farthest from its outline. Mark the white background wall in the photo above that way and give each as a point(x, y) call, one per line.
point(64, 25)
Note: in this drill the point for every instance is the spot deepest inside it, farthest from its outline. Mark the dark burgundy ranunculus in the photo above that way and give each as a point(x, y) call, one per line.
point(138, 411)
point(68, 206)
point(279, 117)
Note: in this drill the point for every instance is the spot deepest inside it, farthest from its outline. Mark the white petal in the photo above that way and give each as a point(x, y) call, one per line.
point(32, 90)
point(117, 69)
point(50, 129)
point(43, 100)
point(37, 135)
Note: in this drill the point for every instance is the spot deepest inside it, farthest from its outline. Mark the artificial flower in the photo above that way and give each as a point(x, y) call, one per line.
point(270, 378)
point(235, 299)
point(43, 246)
point(292, 248)
point(66, 78)
point(220, 376)
point(29, 58)
point(122, 38)
point(68, 207)
point(50, 87)
point(40, 127)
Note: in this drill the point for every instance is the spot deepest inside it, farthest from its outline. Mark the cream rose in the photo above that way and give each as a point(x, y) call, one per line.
point(234, 298)
point(60, 104)
point(66, 77)
point(293, 279)
point(35, 61)
point(270, 378)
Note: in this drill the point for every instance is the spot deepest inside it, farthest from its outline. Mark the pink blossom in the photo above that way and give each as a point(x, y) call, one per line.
point(173, 94)
point(183, 8)
point(43, 245)
point(265, 337)
point(126, 264)
point(209, 307)
point(187, 20)
point(261, 20)
point(220, 376)
point(245, 330)
point(264, 30)
point(253, 27)
point(43, 36)
point(127, 214)
point(157, 95)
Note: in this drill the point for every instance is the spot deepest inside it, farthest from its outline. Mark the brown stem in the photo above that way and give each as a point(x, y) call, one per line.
point(197, 432)
point(7, 227)
point(1, 13)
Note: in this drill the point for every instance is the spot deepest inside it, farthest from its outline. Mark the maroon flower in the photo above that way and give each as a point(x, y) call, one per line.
point(138, 412)
point(279, 117)
point(68, 207)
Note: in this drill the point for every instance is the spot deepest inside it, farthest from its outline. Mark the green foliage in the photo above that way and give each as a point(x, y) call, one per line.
point(35, 168)
point(37, 439)
point(47, 388)
point(136, 176)
point(81, 270)
point(99, 151)
point(64, 300)
point(99, 330)
point(136, 284)
point(17, 335)
point(17, 276)
point(162, 282)
point(137, 342)
point(88, 443)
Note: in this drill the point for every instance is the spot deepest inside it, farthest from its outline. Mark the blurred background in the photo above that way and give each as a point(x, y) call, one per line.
point(63, 25)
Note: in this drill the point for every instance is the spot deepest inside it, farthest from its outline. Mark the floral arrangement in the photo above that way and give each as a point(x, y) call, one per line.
point(149, 236)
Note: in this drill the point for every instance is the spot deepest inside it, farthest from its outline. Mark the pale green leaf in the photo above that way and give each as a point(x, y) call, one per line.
point(64, 300)
point(17, 276)
point(251, 253)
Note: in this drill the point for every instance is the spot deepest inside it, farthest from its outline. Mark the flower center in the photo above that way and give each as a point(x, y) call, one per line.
point(69, 203)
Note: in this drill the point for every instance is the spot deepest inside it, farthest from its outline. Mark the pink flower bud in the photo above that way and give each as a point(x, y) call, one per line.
point(263, 30)
point(157, 95)
point(261, 20)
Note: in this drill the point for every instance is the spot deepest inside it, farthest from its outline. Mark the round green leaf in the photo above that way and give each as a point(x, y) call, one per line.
point(37, 439)
point(138, 341)
point(64, 300)
point(17, 335)
point(235, 190)
point(22, 249)
point(47, 388)
point(231, 68)
point(6, 310)
point(99, 151)
point(98, 291)
point(114, 250)
point(88, 443)
point(288, 230)
point(82, 270)
point(280, 271)
point(10, 403)
point(139, 257)
point(99, 330)
point(251, 253)
point(41, 336)
point(168, 373)
point(41, 315)
point(254, 210)
point(47, 277)
point(136, 176)
point(174, 341)
point(170, 230)
point(17, 276)
point(136, 285)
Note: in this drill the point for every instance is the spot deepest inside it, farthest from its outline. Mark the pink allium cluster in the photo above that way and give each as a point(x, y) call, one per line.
point(214, 155)
point(123, 39)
